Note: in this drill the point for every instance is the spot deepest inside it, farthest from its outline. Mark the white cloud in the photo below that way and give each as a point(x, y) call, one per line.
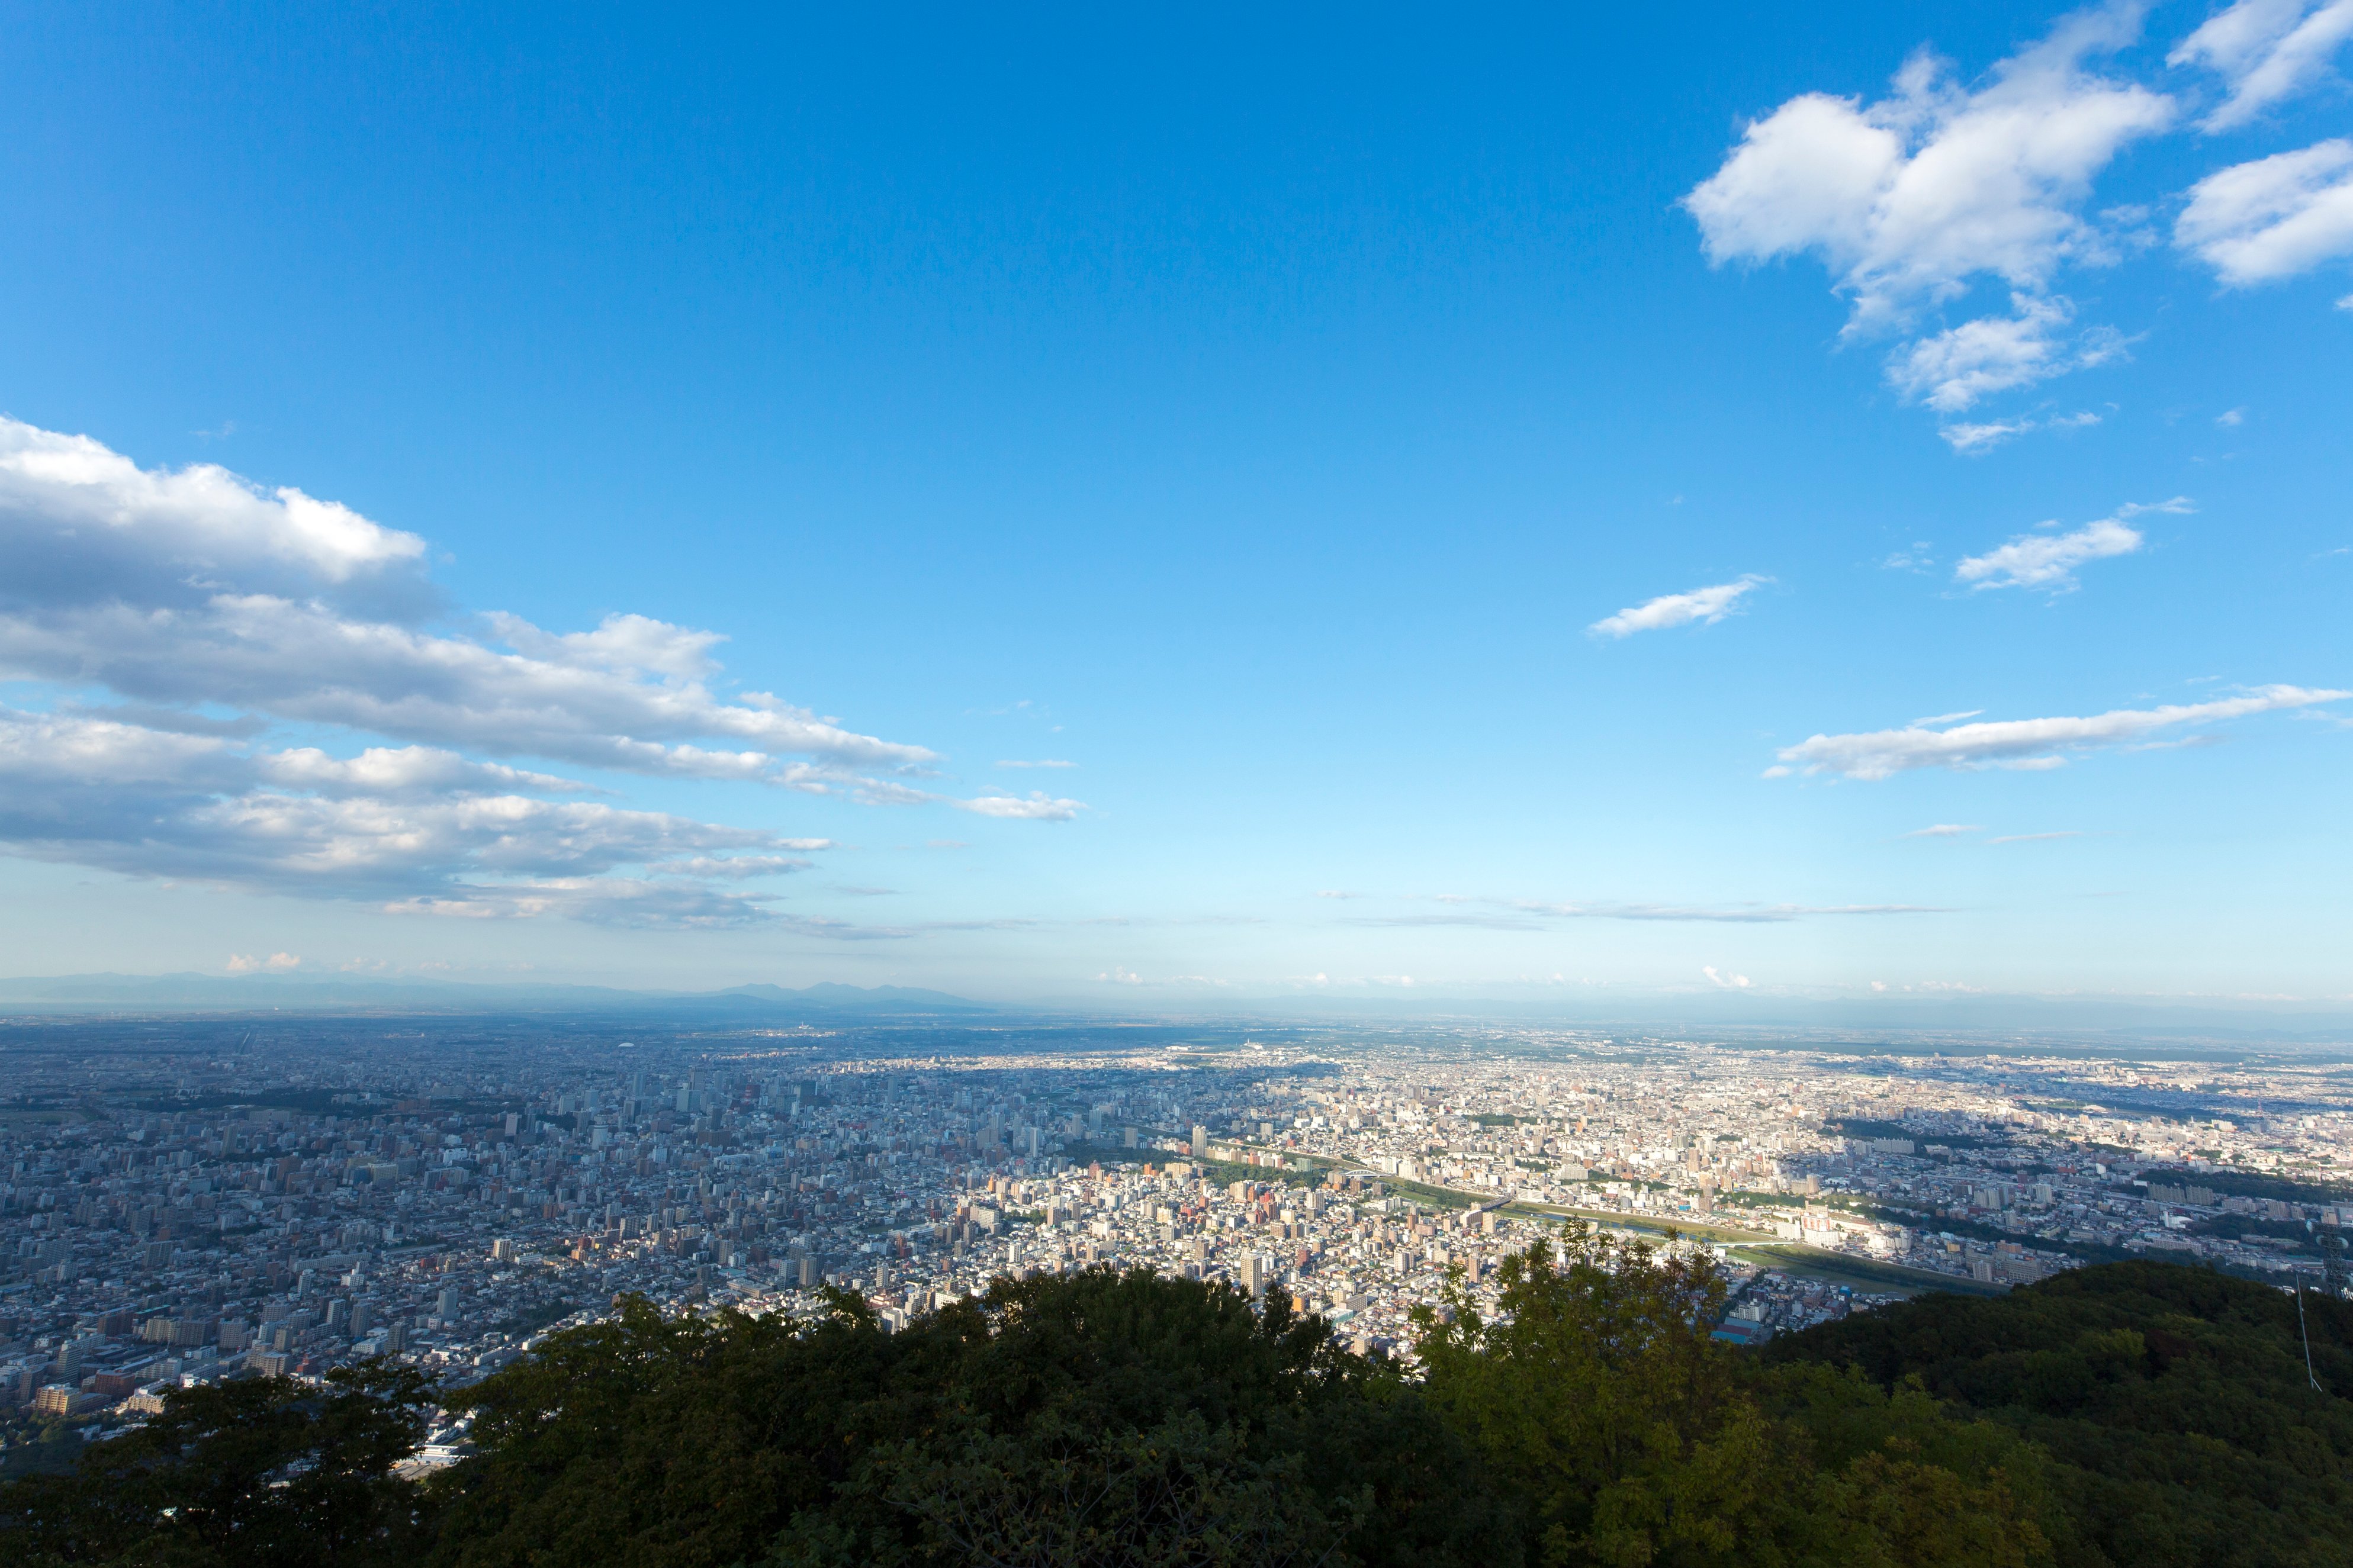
point(2048, 560)
point(93, 791)
point(1945, 829)
point(1708, 605)
point(1913, 199)
point(306, 662)
point(1973, 439)
point(1953, 370)
point(194, 587)
point(1728, 982)
point(737, 868)
point(2266, 52)
point(1037, 806)
point(186, 592)
point(615, 901)
point(276, 963)
point(1909, 198)
point(1120, 975)
point(621, 645)
point(397, 772)
point(2024, 743)
point(80, 523)
point(2231, 417)
point(2273, 217)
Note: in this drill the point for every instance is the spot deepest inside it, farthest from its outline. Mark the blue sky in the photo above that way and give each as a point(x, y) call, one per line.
point(1446, 462)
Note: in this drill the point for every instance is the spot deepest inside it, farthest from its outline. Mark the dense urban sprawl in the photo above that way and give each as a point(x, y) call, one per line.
point(182, 1201)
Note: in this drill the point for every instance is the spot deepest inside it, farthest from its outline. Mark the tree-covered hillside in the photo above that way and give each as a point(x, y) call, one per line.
point(1108, 1418)
point(2174, 1403)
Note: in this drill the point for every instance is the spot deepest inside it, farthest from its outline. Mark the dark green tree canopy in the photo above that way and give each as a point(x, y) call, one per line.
point(1626, 1435)
point(256, 1473)
point(1102, 1417)
point(2174, 1403)
point(2136, 1414)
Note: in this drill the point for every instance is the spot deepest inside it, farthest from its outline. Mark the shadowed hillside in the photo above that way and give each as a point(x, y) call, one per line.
point(2143, 1414)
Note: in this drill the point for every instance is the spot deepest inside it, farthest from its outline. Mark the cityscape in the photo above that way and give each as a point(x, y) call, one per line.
point(191, 1199)
point(1084, 787)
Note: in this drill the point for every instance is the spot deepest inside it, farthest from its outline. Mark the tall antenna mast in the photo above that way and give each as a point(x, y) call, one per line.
point(2332, 1261)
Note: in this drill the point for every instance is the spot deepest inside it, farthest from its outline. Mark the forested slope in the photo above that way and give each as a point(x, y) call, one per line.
point(2142, 1416)
point(2174, 1403)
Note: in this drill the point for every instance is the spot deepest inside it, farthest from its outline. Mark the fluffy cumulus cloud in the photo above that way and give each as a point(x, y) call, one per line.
point(1920, 198)
point(2028, 743)
point(2273, 217)
point(195, 588)
point(85, 525)
point(1706, 605)
point(2048, 561)
point(212, 611)
point(2266, 52)
point(1911, 199)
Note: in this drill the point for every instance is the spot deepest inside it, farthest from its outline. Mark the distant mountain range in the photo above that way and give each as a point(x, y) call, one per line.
point(2187, 1026)
point(244, 993)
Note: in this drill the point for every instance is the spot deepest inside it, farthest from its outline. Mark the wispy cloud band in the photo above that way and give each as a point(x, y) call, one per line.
point(2048, 560)
point(1706, 605)
point(2030, 744)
